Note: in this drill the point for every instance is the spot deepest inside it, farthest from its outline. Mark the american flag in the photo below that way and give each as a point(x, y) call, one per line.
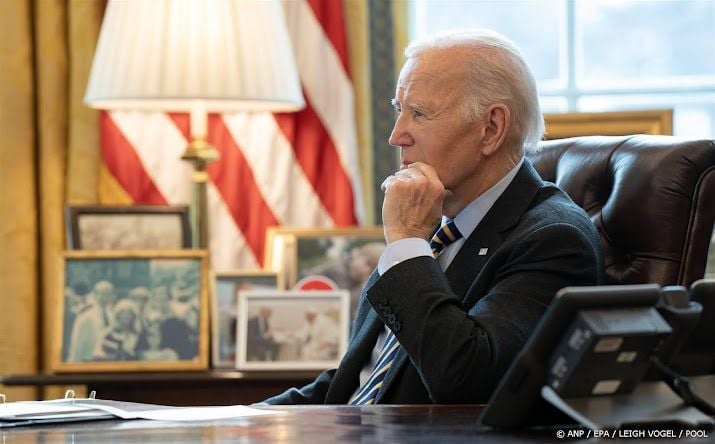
point(294, 169)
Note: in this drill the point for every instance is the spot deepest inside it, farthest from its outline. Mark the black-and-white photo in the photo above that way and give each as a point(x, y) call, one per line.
point(122, 311)
point(291, 330)
point(158, 227)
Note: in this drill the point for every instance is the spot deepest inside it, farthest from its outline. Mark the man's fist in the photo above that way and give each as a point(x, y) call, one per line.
point(413, 202)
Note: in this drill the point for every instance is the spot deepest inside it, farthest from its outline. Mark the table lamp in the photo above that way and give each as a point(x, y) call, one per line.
point(194, 56)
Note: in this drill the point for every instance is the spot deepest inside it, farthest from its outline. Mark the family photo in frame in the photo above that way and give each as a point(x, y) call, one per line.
point(138, 310)
point(226, 287)
point(289, 330)
point(129, 227)
point(346, 256)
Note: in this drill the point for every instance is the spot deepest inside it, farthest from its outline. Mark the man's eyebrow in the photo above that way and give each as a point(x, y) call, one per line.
point(419, 107)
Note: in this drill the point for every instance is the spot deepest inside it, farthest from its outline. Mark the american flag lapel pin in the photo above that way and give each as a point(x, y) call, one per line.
point(483, 251)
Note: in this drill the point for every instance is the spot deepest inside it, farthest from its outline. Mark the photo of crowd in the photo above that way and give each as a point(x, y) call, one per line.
point(131, 310)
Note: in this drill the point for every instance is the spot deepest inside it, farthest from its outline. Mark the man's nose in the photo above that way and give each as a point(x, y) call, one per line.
point(400, 136)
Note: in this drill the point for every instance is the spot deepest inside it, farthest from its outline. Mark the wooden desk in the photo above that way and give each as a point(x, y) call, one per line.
point(308, 424)
point(213, 387)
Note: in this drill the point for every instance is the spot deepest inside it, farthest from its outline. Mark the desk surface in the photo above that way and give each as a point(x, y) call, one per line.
point(314, 424)
point(310, 424)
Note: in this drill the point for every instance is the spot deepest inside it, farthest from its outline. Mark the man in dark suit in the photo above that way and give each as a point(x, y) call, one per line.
point(261, 346)
point(445, 328)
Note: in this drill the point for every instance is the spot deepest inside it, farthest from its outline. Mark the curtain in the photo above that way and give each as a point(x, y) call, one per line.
point(46, 133)
point(18, 215)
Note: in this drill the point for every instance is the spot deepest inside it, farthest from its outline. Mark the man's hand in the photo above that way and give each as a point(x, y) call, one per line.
point(413, 202)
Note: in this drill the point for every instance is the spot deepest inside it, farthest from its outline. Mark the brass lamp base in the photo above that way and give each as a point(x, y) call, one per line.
point(199, 153)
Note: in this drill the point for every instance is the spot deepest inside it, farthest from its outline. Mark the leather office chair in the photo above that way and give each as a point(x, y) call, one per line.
point(652, 199)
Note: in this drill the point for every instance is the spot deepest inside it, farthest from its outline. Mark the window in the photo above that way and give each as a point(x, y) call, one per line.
point(602, 55)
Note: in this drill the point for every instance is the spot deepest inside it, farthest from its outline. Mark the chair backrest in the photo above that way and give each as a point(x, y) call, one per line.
point(652, 199)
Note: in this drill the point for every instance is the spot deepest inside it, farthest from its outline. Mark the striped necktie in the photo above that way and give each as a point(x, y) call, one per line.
point(367, 394)
point(446, 234)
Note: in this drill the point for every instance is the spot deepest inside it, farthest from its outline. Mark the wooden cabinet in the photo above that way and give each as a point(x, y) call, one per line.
point(214, 387)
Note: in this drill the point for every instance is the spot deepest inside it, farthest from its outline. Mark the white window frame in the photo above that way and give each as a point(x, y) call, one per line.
point(571, 91)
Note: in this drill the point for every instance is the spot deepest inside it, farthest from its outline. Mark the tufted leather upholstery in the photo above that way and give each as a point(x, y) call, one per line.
point(652, 199)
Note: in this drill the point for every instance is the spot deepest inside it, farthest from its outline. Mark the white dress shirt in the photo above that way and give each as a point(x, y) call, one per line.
point(466, 221)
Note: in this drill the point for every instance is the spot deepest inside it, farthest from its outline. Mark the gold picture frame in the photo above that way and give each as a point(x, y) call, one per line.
point(616, 123)
point(132, 310)
point(346, 256)
point(225, 286)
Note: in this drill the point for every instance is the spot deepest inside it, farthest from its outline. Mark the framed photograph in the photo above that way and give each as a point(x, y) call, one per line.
point(710, 263)
point(224, 309)
point(346, 256)
point(151, 227)
point(289, 330)
point(616, 123)
point(133, 311)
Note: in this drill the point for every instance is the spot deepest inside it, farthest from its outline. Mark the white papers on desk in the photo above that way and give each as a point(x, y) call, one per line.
point(32, 409)
point(203, 413)
point(17, 414)
point(86, 408)
point(133, 410)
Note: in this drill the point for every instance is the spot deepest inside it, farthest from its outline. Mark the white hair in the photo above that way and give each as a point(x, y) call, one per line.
point(497, 73)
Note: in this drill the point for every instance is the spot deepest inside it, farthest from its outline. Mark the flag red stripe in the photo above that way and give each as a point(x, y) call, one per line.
point(332, 20)
point(317, 155)
point(234, 179)
point(124, 164)
point(181, 120)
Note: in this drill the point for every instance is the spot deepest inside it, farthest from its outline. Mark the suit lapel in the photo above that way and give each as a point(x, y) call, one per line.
point(488, 236)
point(465, 267)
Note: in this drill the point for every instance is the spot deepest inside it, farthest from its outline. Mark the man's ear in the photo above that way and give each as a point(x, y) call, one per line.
point(496, 121)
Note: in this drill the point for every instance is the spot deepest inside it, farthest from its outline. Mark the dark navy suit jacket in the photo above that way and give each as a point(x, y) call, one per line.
point(460, 330)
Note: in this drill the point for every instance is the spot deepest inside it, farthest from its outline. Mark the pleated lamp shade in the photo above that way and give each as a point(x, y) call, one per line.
point(229, 55)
